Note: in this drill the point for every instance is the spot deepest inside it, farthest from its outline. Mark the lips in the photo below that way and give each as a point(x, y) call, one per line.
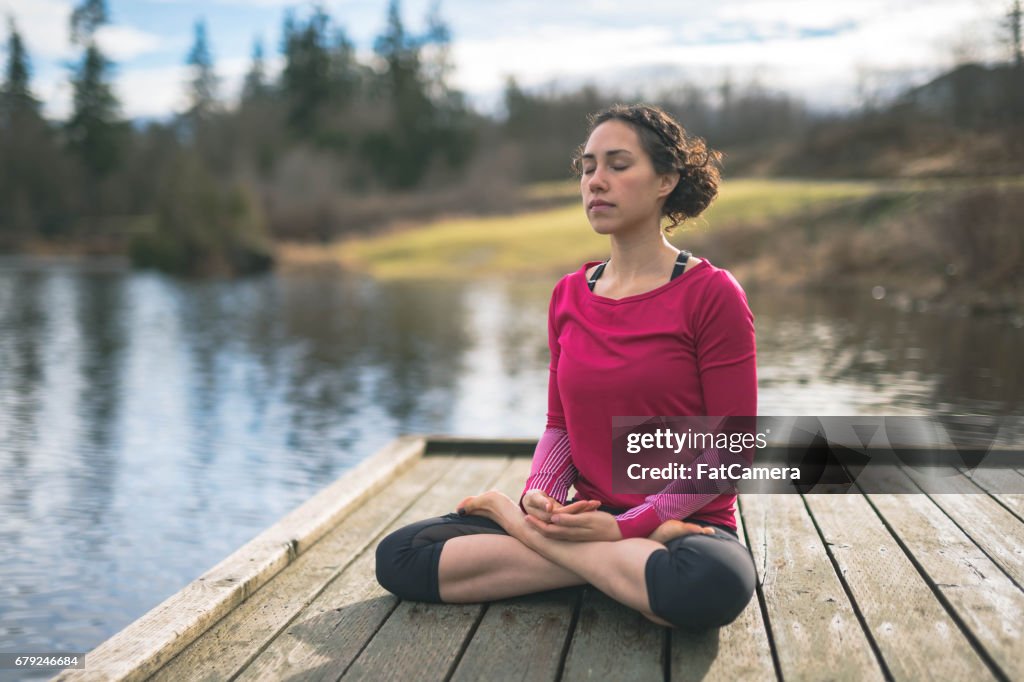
point(598, 203)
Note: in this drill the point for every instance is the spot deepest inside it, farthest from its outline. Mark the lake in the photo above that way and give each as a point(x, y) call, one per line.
point(150, 426)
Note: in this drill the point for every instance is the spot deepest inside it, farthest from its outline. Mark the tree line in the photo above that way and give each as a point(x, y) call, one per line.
point(328, 146)
point(202, 190)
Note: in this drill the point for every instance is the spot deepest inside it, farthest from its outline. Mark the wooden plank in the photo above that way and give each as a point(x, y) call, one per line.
point(614, 642)
point(738, 651)
point(422, 641)
point(917, 638)
point(520, 639)
point(986, 602)
point(236, 639)
point(151, 641)
point(998, 532)
point(418, 642)
point(536, 625)
point(999, 480)
point(814, 626)
point(324, 639)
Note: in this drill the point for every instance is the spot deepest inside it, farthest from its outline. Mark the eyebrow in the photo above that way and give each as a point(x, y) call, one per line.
point(610, 152)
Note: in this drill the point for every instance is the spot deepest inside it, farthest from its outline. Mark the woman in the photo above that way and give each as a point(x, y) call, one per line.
point(651, 331)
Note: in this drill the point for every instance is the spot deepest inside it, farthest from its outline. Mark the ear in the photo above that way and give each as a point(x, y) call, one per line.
point(667, 183)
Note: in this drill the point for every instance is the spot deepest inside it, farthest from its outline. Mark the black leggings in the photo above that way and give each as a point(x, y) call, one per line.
point(697, 582)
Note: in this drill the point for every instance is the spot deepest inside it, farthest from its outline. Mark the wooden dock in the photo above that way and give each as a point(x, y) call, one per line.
point(857, 587)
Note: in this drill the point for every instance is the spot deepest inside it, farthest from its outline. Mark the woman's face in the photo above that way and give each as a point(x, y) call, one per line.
point(620, 188)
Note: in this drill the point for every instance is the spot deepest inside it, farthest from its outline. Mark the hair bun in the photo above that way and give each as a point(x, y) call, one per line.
point(671, 150)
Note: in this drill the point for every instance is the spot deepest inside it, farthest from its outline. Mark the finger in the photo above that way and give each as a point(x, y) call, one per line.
point(550, 531)
point(579, 520)
point(540, 503)
point(577, 507)
point(539, 524)
point(538, 508)
point(573, 508)
point(534, 513)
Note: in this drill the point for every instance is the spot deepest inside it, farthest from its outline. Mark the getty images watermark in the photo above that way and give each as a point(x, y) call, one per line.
point(940, 454)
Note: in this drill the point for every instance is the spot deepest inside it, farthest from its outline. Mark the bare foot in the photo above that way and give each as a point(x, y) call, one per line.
point(494, 505)
point(672, 529)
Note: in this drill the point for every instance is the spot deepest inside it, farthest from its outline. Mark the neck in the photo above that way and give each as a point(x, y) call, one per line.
point(638, 254)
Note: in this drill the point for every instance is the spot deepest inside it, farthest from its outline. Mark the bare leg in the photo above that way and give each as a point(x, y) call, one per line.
point(486, 567)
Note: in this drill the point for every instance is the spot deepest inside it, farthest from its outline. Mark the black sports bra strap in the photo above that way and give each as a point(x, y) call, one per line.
point(680, 263)
point(677, 270)
point(597, 273)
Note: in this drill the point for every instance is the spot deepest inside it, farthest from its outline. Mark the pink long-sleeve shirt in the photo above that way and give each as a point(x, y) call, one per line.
point(686, 348)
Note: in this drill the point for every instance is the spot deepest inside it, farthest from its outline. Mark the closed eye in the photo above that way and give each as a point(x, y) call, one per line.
point(588, 171)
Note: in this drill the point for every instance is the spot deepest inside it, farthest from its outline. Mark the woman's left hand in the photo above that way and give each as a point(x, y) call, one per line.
point(588, 526)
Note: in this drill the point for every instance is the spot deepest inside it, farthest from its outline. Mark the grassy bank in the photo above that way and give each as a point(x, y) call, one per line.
point(550, 240)
point(953, 243)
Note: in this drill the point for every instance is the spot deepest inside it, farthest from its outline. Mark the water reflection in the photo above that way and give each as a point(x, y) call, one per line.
point(149, 427)
point(854, 355)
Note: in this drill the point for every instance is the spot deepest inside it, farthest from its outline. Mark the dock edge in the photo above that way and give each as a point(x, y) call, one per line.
point(148, 643)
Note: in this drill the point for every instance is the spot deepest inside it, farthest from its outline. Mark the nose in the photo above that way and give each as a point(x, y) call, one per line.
point(597, 180)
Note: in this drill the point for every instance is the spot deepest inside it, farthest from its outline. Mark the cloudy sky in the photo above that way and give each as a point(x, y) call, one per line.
point(821, 50)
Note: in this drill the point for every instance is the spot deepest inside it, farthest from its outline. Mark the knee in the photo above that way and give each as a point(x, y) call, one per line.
point(712, 596)
point(389, 556)
point(407, 567)
point(720, 605)
point(712, 606)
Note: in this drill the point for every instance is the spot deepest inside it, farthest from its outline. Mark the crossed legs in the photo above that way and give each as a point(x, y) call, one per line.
point(702, 580)
point(489, 566)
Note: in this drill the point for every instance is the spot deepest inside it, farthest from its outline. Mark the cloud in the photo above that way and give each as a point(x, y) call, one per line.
point(251, 3)
point(551, 52)
point(157, 92)
point(43, 24)
point(814, 49)
point(151, 92)
point(124, 42)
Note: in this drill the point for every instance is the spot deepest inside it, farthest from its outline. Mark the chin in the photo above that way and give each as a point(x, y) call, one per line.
point(604, 226)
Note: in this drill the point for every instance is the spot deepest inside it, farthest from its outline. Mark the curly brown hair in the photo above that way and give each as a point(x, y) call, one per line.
point(671, 150)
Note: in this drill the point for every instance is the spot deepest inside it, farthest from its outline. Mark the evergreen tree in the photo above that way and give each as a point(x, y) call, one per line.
point(203, 86)
point(86, 19)
point(93, 131)
point(306, 79)
point(428, 117)
point(454, 134)
point(16, 95)
point(518, 110)
point(31, 197)
point(402, 154)
point(255, 85)
point(345, 74)
point(400, 53)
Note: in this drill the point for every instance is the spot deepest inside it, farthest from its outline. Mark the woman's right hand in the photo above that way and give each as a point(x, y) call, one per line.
point(540, 505)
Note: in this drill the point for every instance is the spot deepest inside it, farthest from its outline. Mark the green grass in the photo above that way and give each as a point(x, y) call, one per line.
point(561, 239)
point(756, 200)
